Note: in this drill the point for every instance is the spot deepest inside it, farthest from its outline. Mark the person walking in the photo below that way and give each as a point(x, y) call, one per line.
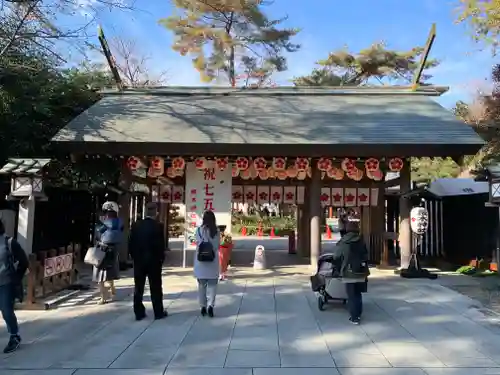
point(147, 250)
point(13, 266)
point(206, 262)
point(352, 254)
point(109, 235)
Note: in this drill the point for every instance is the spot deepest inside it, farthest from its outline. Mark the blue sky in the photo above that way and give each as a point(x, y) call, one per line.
point(328, 25)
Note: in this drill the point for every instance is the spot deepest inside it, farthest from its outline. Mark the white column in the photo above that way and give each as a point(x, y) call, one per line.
point(26, 223)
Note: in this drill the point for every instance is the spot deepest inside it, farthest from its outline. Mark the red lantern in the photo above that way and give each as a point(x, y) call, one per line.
point(245, 174)
point(281, 175)
point(260, 163)
point(335, 173)
point(264, 174)
point(347, 165)
point(324, 164)
point(178, 163)
point(221, 163)
point(372, 164)
point(242, 163)
point(291, 171)
point(171, 172)
point(235, 172)
point(133, 163)
point(396, 164)
point(279, 164)
point(200, 163)
point(301, 164)
point(377, 175)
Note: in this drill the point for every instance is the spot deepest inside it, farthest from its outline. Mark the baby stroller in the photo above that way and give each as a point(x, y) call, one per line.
point(326, 281)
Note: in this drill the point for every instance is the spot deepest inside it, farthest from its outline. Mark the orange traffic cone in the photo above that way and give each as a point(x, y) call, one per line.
point(328, 232)
point(272, 233)
point(244, 231)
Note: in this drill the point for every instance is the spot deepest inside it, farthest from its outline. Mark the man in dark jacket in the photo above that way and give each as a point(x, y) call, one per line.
point(352, 254)
point(147, 250)
point(13, 266)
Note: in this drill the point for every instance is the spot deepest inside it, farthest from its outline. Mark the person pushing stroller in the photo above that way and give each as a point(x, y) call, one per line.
point(352, 255)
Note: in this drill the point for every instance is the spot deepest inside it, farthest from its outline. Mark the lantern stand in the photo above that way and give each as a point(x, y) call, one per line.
point(26, 187)
point(419, 221)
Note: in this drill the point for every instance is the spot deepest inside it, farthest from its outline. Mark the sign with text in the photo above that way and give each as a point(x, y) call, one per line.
point(206, 189)
point(58, 264)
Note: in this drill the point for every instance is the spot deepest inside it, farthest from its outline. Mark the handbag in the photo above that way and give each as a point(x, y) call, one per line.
point(94, 256)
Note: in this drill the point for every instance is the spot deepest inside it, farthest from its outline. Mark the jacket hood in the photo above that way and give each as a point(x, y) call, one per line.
point(351, 237)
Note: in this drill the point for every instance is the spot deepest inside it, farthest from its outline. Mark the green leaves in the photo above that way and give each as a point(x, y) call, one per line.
point(373, 64)
point(483, 18)
point(220, 33)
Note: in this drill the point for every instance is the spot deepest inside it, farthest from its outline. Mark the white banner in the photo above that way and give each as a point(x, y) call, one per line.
point(350, 196)
point(206, 189)
point(337, 197)
point(363, 197)
point(325, 196)
point(289, 194)
point(276, 194)
point(262, 194)
point(300, 194)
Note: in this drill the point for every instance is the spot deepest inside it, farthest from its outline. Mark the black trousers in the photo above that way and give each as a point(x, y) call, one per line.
point(355, 299)
point(152, 271)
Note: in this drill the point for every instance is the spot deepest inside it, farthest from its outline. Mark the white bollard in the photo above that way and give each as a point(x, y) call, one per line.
point(259, 260)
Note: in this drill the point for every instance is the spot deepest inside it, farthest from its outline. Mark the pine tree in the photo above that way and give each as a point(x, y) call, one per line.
point(175, 222)
point(219, 33)
point(483, 17)
point(374, 64)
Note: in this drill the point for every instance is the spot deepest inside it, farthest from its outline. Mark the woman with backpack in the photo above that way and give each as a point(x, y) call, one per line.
point(109, 235)
point(206, 262)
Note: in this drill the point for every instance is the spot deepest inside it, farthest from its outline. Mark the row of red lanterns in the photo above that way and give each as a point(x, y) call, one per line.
point(278, 164)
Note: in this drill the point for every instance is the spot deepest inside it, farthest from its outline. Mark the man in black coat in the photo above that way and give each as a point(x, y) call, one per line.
point(147, 250)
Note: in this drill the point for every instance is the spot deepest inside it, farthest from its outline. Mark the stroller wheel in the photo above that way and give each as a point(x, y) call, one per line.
point(321, 303)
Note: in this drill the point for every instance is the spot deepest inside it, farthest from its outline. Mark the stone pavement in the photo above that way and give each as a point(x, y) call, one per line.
point(266, 323)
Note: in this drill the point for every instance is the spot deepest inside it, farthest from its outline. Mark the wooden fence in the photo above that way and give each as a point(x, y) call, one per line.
point(51, 272)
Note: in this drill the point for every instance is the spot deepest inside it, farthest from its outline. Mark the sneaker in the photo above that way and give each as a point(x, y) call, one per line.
point(210, 311)
point(13, 344)
point(203, 311)
point(355, 321)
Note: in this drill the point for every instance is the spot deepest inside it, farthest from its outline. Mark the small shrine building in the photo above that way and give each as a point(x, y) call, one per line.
point(208, 147)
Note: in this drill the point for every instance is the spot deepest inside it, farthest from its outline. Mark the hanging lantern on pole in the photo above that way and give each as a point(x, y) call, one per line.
point(419, 220)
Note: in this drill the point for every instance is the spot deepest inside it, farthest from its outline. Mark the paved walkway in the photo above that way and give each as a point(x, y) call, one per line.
point(266, 324)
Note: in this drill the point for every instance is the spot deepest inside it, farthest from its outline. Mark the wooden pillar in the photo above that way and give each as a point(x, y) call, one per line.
point(298, 218)
point(404, 215)
point(315, 213)
point(390, 220)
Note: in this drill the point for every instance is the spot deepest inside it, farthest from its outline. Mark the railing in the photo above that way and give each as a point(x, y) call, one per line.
point(379, 249)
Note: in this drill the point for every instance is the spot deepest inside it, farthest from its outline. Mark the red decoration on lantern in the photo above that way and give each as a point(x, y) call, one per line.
point(260, 164)
point(237, 195)
point(200, 163)
point(396, 164)
point(347, 165)
point(279, 164)
point(242, 163)
point(324, 164)
point(355, 174)
point(222, 163)
point(178, 163)
point(301, 164)
point(372, 164)
point(133, 163)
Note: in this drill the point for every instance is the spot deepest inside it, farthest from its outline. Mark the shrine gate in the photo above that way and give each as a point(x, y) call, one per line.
point(308, 146)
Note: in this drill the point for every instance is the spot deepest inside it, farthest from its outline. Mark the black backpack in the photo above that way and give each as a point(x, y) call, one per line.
point(206, 252)
point(357, 263)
